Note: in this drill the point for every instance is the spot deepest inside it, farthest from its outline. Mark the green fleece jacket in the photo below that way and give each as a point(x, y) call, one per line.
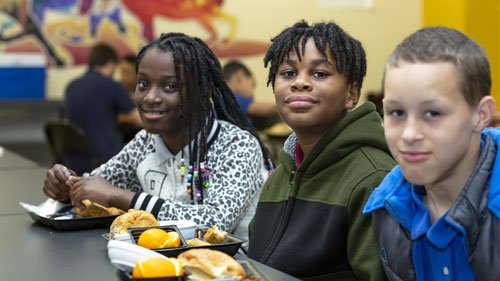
point(308, 221)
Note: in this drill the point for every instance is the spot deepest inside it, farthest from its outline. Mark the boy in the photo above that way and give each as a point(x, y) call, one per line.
point(94, 101)
point(128, 77)
point(308, 221)
point(436, 214)
point(241, 81)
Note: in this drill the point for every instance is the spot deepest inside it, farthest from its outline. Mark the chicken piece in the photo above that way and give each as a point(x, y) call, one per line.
point(215, 236)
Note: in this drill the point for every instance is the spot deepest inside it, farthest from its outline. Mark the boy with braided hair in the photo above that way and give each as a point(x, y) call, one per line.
point(308, 221)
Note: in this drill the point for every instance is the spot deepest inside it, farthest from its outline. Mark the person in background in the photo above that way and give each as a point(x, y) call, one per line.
point(197, 158)
point(436, 214)
point(128, 78)
point(241, 81)
point(308, 221)
point(376, 98)
point(94, 101)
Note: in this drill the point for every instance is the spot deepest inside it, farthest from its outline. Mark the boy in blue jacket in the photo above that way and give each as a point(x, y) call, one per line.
point(436, 215)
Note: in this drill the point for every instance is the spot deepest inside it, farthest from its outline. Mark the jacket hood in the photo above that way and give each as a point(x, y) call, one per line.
point(347, 135)
point(394, 193)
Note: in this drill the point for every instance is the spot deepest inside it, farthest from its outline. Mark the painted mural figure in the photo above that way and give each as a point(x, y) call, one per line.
point(110, 9)
point(205, 11)
point(66, 29)
point(17, 10)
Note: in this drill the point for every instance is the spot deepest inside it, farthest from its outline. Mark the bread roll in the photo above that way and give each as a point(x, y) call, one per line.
point(96, 210)
point(206, 264)
point(133, 218)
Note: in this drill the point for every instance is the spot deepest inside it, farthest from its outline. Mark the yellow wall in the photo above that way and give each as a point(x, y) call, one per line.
point(449, 13)
point(478, 19)
point(379, 28)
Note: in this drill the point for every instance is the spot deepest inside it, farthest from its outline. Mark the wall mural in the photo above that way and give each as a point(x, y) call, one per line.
point(65, 30)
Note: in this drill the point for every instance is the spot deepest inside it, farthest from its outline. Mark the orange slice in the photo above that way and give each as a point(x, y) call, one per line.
point(173, 241)
point(157, 267)
point(153, 238)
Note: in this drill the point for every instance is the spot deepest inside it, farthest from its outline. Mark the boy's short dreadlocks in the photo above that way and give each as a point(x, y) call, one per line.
point(348, 52)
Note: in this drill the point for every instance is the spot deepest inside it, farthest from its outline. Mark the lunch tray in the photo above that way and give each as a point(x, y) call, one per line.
point(135, 232)
point(127, 276)
point(230, 246)
point(73, 222)
point(251, 271)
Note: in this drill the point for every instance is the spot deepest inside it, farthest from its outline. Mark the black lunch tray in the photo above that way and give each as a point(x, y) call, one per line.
point(230, 246)
point(73, 223)
point(250, 270)
point(127, 276)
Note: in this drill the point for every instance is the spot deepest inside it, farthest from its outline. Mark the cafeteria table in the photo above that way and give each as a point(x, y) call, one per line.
point(25, 185)
point(31, 251)
point(10, 160)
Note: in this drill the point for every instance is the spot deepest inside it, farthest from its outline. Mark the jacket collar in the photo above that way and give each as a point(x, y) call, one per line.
point(359, 127)
point(494, 194)
point(393, 193)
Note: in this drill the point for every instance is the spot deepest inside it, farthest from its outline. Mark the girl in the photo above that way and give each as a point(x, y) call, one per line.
point(197, 158)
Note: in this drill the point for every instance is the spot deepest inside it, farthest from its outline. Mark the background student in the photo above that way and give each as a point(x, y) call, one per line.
point(94, 101)
point(197, 159)
point(242, 82)
point(308, 221)
point(436, 215)
point(128, 78)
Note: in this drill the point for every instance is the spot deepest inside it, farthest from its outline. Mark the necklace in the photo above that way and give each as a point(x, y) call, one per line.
point(196, 179)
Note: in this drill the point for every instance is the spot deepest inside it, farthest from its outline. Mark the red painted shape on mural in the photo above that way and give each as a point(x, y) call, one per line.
point(238, 48)
point(203, 11)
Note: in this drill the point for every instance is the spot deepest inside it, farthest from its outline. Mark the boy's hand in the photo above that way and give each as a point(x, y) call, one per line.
point(57, 184)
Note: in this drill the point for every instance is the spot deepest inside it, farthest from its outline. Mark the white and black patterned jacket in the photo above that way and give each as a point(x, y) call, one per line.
point(237, 172)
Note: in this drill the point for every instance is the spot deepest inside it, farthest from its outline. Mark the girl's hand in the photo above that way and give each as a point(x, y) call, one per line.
point(57, 184)
point(94, 188)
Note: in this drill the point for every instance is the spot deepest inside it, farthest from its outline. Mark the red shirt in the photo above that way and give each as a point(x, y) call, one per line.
point(299, 154)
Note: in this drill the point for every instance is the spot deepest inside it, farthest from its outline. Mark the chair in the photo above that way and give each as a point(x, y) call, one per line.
point(70, 146)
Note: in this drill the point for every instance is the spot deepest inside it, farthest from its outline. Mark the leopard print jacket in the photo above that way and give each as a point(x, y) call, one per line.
point(237, 172)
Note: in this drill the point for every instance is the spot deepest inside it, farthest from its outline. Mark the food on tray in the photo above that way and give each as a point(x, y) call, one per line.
point(133, 218)
point(96, 210)
point(197, 242)
point(214, 235)
point(156, 238)
point(206, 264)
point(211, 236)
point(157, 267)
